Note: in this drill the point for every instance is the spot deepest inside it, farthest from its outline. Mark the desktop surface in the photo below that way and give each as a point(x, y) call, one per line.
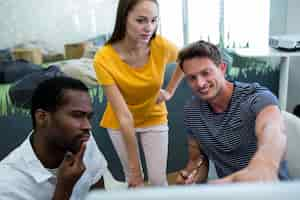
point(244, 191)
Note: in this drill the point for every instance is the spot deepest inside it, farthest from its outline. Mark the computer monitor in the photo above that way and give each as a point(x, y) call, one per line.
point(243, 191)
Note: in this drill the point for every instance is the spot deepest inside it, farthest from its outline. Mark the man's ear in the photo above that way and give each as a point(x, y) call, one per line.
point(223, 67)
point(41, 117)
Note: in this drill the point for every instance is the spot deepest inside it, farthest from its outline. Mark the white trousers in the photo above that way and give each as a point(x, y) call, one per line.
point(154, 142)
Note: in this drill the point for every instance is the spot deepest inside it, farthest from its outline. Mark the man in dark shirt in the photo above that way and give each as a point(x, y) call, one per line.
point(238, 126)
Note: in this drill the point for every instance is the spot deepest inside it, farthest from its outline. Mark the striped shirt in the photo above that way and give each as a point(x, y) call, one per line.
point(228, 138)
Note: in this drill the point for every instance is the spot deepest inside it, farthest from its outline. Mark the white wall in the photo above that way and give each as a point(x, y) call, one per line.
point(54, 21)
point(63, 21)
point(278, 16)
point(284, 19)
point(293, 16)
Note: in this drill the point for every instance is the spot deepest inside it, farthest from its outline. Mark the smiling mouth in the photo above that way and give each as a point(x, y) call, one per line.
point(203, 91)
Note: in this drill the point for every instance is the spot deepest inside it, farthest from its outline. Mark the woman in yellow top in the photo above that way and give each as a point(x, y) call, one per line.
point(131, 68)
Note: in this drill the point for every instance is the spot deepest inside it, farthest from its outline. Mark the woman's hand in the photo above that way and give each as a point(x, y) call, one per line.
point(135, 181)
point(164, 95)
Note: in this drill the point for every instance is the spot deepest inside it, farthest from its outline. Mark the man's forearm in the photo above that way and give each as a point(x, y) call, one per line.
point(271, 148)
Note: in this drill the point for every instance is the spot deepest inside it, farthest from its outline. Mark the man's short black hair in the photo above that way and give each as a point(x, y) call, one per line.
point(49, 94)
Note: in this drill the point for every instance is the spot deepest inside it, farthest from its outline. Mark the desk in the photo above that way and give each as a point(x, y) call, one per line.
point(237, 191)
point(284, 67)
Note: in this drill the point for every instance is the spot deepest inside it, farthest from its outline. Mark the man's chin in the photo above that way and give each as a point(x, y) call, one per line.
point(74, 150)
point(78, 142)
point(76, 146)
point(202, 96)
point(206, 97)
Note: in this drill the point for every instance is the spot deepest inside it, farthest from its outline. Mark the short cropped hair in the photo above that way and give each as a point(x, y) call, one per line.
point(200, 49)
point(49, 94)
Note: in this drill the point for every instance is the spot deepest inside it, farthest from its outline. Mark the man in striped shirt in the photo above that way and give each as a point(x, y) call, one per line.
point(238, 126)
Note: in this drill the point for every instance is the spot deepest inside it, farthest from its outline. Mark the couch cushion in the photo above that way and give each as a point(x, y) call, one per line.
point(292, 124)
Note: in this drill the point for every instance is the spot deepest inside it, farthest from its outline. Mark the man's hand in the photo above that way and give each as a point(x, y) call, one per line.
point(250, 174)
point(196, 169)
point(192, 174)
point(186, 178)
point(72, 167)
point(69, 172)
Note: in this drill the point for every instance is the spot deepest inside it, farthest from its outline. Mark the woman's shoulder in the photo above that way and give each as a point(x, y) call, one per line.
point(160, 40)
point(104, 51)
point(164, 48)
point(104, 55)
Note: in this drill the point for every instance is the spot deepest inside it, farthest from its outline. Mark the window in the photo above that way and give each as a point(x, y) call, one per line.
point(171, 25)
point(242, 23)
point(203, 20)
point(246, 22)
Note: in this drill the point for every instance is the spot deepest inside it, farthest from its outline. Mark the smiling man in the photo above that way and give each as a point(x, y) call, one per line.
point(59, 159)
point(238, 126)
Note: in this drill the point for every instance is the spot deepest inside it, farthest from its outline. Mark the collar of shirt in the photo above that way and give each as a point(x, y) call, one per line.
point(33, 165)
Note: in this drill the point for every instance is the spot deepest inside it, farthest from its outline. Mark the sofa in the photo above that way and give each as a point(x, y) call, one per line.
point(15, 128)
point(292, 125)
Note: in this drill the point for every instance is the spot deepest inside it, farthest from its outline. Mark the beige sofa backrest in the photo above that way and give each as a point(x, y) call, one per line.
point(292, 124)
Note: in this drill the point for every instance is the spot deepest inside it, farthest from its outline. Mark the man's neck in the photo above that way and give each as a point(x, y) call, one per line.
point(222, 101)
point(49, 157)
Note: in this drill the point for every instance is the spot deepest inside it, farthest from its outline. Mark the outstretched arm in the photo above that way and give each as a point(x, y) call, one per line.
point(271, 147)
